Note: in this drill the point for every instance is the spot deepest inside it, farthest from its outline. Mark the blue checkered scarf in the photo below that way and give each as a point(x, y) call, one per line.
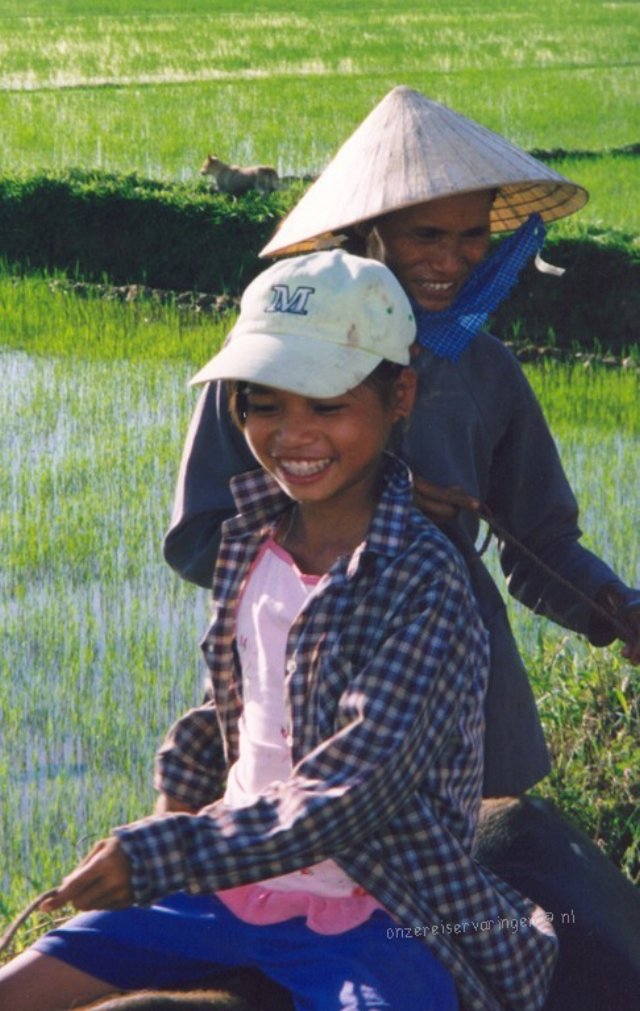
point(447, 333)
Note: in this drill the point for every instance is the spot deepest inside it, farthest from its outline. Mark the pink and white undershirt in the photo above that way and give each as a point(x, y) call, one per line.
point(275, 592)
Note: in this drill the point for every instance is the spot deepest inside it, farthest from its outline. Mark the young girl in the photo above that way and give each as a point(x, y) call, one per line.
point(317, 816)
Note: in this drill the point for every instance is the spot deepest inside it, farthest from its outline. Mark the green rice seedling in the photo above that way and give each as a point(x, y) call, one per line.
point(165, 130)
point(95, 47)
point(588, 397)
point(99, 639)
point(99, 86)
point(588, 698)
point(588, 701)
point(43, 316)
point(594, 414)
point(612, 182)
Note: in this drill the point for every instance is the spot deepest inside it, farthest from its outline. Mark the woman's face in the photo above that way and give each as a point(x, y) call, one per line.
point(433, 247)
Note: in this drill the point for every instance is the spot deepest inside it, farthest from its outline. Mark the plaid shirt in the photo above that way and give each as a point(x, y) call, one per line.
point(385, 678)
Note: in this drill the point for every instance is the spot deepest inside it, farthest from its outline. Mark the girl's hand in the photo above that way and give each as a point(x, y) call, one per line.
point(101, 881)
point(441, 504)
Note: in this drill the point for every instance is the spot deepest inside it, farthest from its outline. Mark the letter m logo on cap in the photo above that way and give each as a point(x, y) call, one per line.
point(284, 301)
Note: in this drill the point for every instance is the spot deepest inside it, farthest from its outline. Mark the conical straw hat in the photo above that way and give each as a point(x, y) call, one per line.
point(410, 150)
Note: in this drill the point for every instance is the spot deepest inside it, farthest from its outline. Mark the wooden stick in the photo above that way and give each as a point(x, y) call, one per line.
point(9, 934)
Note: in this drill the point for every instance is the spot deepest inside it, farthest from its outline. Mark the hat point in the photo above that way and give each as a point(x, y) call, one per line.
point(410, 150)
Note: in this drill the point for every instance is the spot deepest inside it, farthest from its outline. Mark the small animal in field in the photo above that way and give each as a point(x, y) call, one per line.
point(235, 180)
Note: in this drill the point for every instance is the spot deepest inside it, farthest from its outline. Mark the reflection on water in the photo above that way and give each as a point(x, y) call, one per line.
point(98, 647)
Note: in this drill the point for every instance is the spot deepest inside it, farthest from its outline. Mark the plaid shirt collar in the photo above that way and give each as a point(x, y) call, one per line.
point(260, 502)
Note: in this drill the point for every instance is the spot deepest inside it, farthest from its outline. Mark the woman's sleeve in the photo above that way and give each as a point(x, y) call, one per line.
point(214, 452)
point(531, 498)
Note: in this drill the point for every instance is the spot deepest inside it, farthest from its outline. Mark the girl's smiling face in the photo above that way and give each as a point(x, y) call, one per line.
point(325, 450)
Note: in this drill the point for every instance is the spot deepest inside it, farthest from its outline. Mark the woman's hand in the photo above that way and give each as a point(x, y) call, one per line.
point(624, 604)
point(441, 504)
point(101, 881)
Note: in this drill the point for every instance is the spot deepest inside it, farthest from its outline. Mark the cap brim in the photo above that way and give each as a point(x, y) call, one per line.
point(296, 364)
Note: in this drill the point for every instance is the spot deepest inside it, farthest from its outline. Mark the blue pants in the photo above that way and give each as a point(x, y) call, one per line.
point(184, 939)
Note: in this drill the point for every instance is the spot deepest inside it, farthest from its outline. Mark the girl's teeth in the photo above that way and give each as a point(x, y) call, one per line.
point(303, 468)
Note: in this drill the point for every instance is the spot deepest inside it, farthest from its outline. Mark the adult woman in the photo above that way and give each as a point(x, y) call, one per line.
point(422, 189)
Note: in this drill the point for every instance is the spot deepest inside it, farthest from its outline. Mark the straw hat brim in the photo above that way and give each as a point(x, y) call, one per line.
point(411, 150)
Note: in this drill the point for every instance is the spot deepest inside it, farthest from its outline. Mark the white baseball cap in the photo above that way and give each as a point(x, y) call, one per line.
point(316, 325)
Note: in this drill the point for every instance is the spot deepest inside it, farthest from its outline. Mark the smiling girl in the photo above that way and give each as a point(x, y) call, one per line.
point(317, 815)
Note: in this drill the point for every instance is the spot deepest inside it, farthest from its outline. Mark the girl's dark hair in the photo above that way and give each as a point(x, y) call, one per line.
point(237, 390)
point(382, 380)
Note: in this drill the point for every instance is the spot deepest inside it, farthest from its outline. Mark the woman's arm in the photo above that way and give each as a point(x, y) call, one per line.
point(531, 498)
point(213, 453)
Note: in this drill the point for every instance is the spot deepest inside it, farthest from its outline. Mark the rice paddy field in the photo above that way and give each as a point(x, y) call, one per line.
point(99, 638)
point(152, 87)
